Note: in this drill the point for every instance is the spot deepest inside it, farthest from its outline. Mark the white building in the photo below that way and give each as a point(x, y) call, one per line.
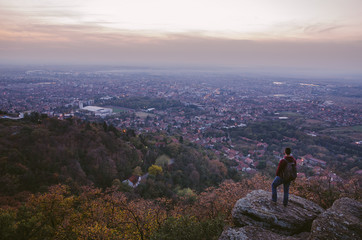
point(99, 111)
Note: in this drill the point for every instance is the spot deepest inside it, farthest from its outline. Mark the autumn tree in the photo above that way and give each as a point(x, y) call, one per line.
point(155, 170)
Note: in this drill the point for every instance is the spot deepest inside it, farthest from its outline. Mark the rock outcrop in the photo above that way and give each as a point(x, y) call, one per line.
point(257, 209)
point(257, 217)
point(342, 221)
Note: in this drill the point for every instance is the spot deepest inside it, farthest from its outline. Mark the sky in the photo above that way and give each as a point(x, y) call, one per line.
point(315, 35)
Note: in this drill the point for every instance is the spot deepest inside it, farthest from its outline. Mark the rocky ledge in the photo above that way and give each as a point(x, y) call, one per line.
point(342, 221)
point(257, 209)
point(257, 217)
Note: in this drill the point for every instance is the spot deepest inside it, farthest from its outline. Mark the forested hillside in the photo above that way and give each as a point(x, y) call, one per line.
point(37, 153)
point(63, 180)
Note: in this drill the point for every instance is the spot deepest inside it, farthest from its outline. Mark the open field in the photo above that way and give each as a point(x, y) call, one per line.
point(353, 132)
point(313, 121)
point(144, 114)
point(289, 114)
point(119, 109)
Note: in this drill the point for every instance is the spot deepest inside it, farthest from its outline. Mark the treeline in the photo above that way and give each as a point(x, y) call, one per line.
point(38, 152)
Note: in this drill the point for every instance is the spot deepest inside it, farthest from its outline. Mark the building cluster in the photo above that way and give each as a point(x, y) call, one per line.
point(209, 104)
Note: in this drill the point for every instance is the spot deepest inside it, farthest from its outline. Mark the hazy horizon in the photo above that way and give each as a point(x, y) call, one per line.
point(323, 37)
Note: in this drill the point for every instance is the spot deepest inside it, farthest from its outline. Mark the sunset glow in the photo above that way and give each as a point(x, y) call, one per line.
point(26, 24)
point(229, 19)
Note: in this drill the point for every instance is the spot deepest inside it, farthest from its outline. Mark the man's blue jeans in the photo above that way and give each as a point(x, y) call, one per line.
point(278, 181)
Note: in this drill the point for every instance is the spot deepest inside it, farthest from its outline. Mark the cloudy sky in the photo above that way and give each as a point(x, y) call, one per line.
point(322, 35)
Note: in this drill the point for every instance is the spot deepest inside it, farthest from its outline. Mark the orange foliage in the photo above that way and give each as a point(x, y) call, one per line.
point(220, 200)
point(91, 215)
point(324, 191)
point(97, 214)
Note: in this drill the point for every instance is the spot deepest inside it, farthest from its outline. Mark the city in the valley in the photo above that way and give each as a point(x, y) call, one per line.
point(244, 118)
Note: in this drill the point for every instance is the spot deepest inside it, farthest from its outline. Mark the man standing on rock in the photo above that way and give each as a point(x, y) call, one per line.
point(286, 172)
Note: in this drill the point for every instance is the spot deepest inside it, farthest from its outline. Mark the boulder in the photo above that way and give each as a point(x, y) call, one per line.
point(342, 221)
point(256, 233)
point(257, 209)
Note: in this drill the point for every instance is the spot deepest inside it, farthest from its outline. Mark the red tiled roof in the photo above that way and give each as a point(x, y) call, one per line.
point(133, 179)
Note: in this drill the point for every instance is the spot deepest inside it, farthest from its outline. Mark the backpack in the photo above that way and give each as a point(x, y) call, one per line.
point(290, 171)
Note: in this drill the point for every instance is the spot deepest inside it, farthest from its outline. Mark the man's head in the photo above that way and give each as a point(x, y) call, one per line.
point(288, 151)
